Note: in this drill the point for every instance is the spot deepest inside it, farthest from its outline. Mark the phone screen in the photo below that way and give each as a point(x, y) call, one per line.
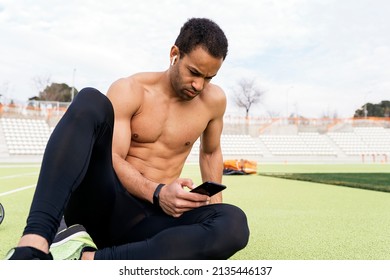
point(209, 188)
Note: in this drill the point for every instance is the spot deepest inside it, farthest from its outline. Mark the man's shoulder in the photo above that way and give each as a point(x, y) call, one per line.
point(125, 90)
point(214, 99)
point(137, 81)
point(132, 84)
point(132, 88)
point(144, 78)
point(214, 93)
point(217, 88)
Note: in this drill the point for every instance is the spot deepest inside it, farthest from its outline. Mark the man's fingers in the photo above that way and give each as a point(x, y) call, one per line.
point(185, 182)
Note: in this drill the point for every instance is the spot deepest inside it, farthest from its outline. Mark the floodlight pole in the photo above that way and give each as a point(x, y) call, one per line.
point(72, 92)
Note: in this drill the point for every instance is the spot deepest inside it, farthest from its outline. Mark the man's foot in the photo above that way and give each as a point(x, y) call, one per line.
point(27, 253)
point(70, 243)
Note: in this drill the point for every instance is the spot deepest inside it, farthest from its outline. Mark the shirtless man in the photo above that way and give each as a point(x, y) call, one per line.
point(113, 166)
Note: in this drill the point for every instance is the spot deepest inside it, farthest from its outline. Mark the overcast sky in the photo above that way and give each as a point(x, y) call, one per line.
point(311, 57)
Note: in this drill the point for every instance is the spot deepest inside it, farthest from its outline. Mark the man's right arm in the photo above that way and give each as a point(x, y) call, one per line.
point(125, 98)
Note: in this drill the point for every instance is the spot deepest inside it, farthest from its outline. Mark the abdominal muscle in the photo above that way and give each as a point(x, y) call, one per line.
point(165, 166)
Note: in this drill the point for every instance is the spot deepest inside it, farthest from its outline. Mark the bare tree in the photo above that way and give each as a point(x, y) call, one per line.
point(247, 94)
point(4, 89)
point(41, 82)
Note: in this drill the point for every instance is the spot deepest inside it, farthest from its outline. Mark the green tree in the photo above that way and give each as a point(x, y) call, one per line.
point(381, 109)
point(56, 92)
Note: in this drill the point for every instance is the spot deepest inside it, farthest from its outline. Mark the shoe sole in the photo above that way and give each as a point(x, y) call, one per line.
point(72, 236)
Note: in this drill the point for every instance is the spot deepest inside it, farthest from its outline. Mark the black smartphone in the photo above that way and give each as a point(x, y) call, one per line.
point(209, 188)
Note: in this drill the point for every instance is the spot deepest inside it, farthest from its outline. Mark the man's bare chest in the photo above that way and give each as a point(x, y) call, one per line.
point(173, 127)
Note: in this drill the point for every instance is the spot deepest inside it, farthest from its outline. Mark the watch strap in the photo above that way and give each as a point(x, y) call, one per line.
point(156, 195)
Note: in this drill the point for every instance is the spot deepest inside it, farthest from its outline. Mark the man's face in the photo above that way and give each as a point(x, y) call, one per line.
point(193, 72)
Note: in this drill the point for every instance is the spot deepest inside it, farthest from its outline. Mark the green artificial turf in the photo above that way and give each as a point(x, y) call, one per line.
point(13, 177)
point(288, 219)
point(310, 221)
point(370, 181)
point(301, 220)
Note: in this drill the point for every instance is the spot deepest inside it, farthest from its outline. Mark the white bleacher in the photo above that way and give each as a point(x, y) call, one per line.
point(285, 144)
point(317, 143)
point(25, 136)
point(235, 145)
point(302, 144)
point(377, 139)
point(239, 144)
point(349, 143)
point(363, 140)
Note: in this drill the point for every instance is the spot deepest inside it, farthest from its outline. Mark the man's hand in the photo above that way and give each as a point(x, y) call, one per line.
point(175, 200)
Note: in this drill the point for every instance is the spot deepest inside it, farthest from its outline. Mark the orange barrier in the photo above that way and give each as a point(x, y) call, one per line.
point(243, 165)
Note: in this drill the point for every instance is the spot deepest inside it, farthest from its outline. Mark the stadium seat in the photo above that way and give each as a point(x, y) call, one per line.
point(25, 136)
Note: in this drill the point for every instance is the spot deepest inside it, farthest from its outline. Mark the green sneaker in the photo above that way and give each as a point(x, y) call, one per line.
point(70, 243)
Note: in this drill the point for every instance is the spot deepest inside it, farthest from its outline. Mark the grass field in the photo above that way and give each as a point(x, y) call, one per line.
point(375, 181)
point(288, 219)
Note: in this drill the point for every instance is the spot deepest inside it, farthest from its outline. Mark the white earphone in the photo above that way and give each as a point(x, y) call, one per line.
point(173, 60)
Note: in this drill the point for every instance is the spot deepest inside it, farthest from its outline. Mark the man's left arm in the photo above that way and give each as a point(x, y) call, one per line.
point(210, 153)
point(211, 167)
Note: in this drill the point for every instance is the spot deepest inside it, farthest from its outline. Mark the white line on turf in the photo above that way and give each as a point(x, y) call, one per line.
point(17, 190)
point(19, 175)
point(18, 165)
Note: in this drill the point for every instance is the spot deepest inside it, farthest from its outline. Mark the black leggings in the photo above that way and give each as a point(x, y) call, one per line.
point(77, 181)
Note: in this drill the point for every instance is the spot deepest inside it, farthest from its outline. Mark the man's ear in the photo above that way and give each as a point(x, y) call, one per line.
point(174, 52)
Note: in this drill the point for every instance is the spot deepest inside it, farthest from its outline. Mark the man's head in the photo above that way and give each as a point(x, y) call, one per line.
point(196, 57)
point(205, 33)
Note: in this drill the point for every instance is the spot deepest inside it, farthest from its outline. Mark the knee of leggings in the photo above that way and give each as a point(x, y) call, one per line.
point(240, 223)
point(236, 227)
point(96, 104)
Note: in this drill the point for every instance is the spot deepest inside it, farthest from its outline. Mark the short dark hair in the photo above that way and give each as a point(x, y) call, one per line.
point(203, 32)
